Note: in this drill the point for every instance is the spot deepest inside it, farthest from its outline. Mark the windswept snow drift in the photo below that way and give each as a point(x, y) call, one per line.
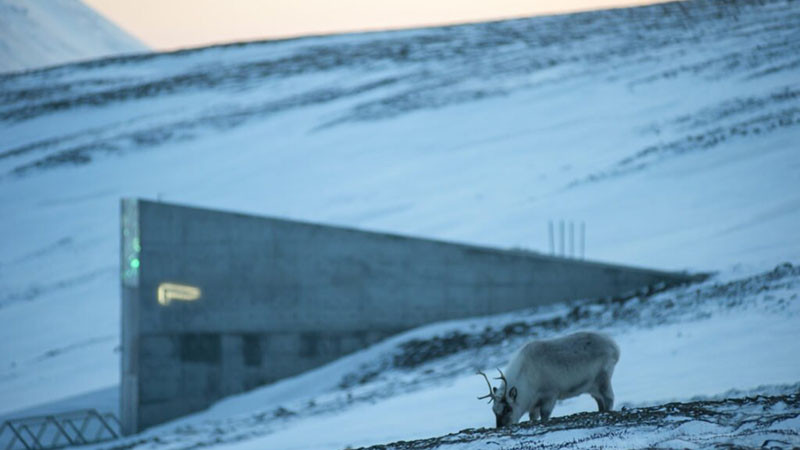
point(39, 33)
point(671, 130)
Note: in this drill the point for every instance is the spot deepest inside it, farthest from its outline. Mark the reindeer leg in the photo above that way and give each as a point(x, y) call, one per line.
point(607, 393)
point(546, 408)
point(601, 405)
point(602, 392)
point(534, 413)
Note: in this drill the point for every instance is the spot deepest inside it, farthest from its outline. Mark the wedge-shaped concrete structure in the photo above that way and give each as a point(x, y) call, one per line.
point(215, 303)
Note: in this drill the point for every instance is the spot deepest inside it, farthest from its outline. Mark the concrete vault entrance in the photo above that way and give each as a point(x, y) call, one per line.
point(216, 303)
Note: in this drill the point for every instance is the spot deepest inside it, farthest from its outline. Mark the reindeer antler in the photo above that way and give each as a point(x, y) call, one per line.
point(505, 382)
point(490, 395)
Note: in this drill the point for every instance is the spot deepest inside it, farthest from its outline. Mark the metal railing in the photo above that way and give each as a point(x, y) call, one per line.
point(81, 427)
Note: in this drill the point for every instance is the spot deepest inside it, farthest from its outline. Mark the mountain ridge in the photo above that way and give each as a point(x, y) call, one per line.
point(36, 34)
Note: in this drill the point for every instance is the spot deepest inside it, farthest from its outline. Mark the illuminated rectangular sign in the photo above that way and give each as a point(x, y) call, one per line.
point(174, 291)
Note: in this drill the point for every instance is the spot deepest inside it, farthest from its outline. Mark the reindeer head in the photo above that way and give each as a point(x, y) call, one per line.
point(504, 402)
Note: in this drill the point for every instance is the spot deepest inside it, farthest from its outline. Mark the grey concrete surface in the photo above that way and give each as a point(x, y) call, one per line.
point(279, 297)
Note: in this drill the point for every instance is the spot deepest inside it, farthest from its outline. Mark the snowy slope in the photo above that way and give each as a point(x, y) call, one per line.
point(702, 343)
point(762, 421)
point(672, 130)
point(39, 33)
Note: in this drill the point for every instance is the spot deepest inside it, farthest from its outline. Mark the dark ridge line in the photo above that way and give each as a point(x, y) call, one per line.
point(674, 5)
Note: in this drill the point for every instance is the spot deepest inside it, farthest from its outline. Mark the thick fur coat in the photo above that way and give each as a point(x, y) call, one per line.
point(545, 371)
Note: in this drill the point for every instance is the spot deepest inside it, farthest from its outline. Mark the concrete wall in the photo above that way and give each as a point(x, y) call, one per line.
point(280, 297)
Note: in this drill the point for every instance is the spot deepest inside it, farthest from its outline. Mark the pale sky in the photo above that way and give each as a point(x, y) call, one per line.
point(174, 24)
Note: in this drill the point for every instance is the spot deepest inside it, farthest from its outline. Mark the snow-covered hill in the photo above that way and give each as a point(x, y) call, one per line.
point(758, 421)
point(703, 343)
point(39, 33)
point(671, 130)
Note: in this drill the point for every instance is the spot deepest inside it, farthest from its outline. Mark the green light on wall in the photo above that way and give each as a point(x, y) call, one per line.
point(135, 263)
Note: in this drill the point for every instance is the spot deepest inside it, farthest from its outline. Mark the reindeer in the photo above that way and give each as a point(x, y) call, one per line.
point(544, 371)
